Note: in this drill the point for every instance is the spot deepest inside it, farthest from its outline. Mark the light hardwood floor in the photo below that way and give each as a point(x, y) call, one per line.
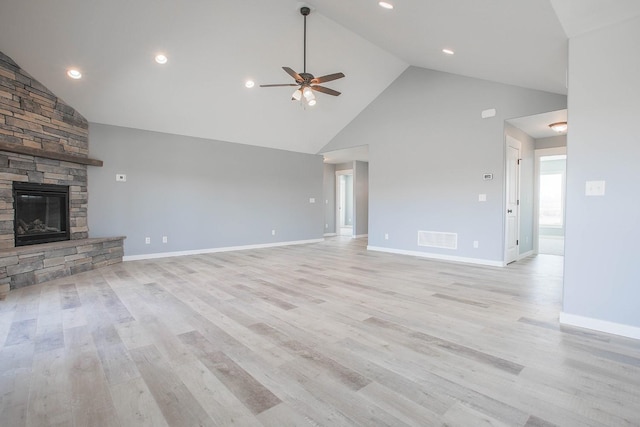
point(316, 335)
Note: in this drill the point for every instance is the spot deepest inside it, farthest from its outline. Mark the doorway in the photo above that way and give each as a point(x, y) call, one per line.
point(344, 203)
point(551, 168)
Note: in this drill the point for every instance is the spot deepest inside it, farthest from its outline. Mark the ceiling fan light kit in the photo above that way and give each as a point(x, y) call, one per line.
point(306, 82)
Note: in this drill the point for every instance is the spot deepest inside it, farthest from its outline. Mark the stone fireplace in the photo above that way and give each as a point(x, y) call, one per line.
point(44, 156)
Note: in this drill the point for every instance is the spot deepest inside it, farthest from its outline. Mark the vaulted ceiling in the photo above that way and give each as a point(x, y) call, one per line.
point(214, 46)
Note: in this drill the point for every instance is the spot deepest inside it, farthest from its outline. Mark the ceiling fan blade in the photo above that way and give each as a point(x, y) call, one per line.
point(327, 78)
point(326, 90)
point(293, 74)
point(284, 84)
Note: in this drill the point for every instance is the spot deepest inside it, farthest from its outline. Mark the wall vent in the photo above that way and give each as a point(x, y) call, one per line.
point(438, 239)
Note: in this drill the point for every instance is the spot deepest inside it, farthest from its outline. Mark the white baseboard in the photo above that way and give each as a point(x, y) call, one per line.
point(214, 250)
point(330, 234)
point(438, 256)
point(360, 236)
point(526, 254)
point(600, 325)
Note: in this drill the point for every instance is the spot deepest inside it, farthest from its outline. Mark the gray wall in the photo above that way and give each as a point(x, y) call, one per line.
point(551, 142)
point(602, 272)
point(344, 166)
point(361, 189)
point(329, 189)
point(527, 184)
point(428, 150)
point(199, 193)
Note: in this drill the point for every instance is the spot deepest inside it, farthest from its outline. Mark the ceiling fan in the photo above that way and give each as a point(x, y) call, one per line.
point(307, 82)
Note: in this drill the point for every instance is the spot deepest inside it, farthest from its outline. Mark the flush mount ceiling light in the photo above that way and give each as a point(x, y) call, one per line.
point(74, 74)
point(559, 126)
point(448, 51)
point(385, 5)
point(161, 59)
point(249, 84)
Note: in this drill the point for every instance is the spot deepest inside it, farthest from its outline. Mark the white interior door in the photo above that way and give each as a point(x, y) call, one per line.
point(512, 178)
point(344, 202)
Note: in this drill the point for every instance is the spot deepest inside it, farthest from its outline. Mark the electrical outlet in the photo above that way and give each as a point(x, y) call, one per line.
point(476, 244)
point(386, 236)
point(164, 239)
point(273, 232)
point(326, 226)
point(147, 240)
point(312, 200)
point(121, 177)
point(595, 188)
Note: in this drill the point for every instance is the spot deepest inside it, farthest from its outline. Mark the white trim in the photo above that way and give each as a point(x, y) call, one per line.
point(359, 236)
point(214, 250)
point(330, 234)
point(441, 257)
point(600, 325)
point(526, 254)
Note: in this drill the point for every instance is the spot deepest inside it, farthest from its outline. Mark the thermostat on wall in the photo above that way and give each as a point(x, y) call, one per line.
point(487, 176)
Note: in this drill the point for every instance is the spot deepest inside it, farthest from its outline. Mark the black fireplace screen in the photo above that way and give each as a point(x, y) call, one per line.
point(41, 213)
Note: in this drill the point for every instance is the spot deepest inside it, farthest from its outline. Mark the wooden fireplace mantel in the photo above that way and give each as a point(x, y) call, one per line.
point(21, 149)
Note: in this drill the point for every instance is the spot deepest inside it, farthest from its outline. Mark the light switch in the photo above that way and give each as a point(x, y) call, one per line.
point(482, 197)
point(312, 200)
point(594, 188)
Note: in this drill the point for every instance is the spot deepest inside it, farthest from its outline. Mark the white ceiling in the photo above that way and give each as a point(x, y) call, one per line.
point(537, 126)
point(215, 45)
point(581, 16)
point(360, 153)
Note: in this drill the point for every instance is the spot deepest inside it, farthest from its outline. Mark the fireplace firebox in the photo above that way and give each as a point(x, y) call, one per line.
point(41, 213)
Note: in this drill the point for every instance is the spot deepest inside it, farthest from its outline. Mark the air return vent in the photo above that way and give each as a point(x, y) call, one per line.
point(437, 239)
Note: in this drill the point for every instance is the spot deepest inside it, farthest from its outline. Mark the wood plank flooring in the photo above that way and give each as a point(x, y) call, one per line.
point(327, 334)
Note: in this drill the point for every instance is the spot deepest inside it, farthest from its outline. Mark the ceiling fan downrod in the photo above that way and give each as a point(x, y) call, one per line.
point(305, 11)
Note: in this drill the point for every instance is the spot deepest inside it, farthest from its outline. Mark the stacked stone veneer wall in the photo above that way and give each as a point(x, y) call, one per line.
point(32, 116)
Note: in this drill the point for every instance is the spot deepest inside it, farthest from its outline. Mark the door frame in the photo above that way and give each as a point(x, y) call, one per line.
point(510, 141)
point(543, 152)
point(338, 199)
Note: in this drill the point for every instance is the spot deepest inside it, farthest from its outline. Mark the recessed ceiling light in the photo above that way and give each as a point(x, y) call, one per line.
point(161, 59)
point(74, 74)
point(249, 84)
point(448, 51)
point(385, 5)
